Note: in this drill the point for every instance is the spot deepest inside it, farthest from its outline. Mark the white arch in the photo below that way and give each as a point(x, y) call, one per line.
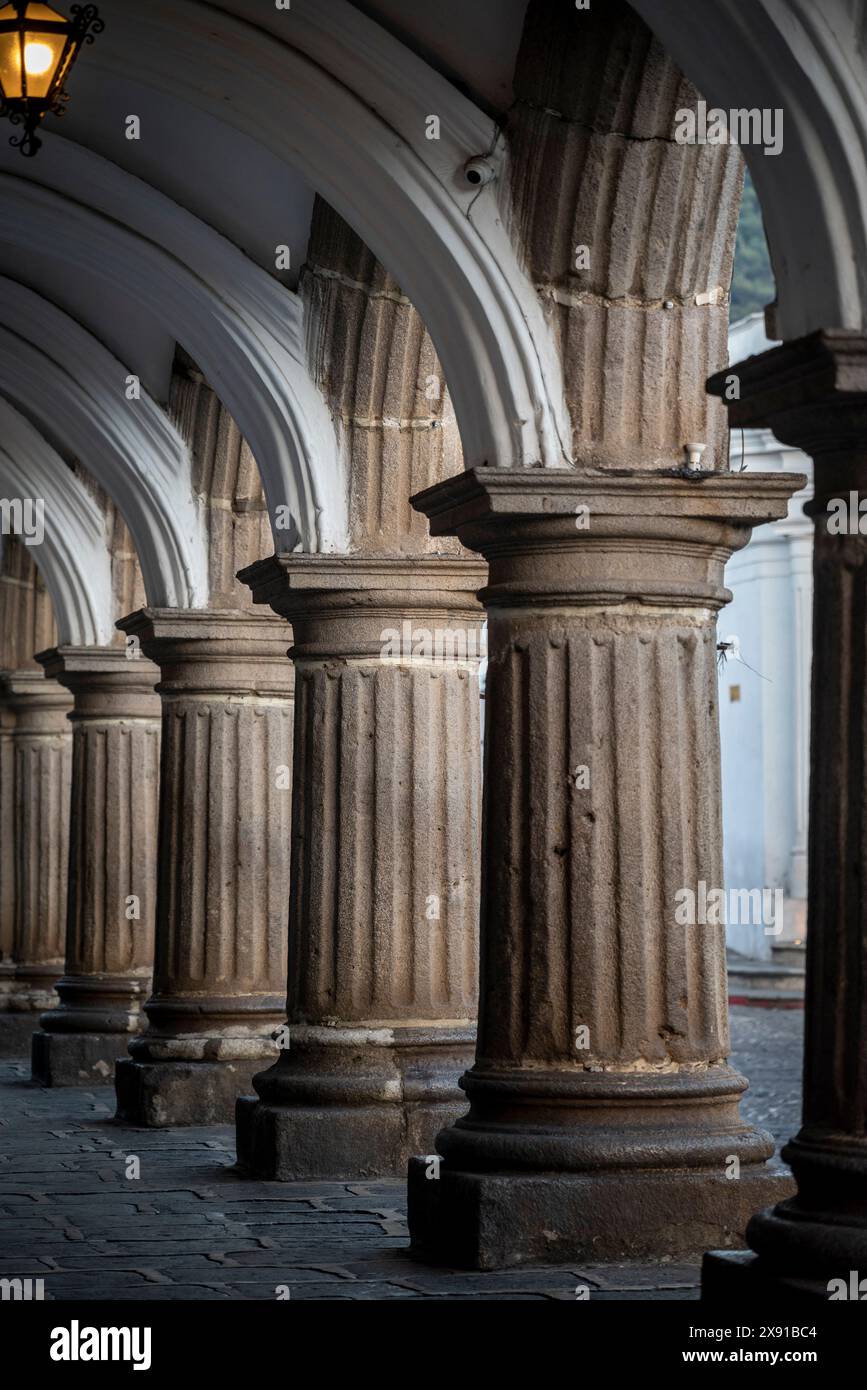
point(806, 59)
point(76, 389)
point(73, 556)
point(332, 93)
point(244, 329)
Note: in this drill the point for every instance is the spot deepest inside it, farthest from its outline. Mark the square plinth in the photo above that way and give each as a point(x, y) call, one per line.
point(731, 1276)
point(76, 1059)
point(501, 1220)
point(336, 1143)
point(160, 1094)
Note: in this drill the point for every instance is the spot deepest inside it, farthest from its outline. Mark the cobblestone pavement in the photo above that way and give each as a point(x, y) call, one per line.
point(191, 1228)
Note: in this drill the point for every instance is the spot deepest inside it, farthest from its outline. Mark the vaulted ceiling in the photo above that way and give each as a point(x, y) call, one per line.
point(114, 250)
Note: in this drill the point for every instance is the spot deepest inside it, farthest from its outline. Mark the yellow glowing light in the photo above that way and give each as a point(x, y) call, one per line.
point(38, 58)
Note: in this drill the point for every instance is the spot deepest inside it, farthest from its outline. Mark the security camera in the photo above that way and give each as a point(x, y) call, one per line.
point(693, 455)
point(479, 171)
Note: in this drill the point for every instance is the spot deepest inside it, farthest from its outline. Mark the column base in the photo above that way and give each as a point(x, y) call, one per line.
point(353, 1102)
point(291, 1143)
point(503, 1220)
point(158, 1095)
point(76, 1059)
point(16, 1032)
point(33, 990)
point(727, 1275)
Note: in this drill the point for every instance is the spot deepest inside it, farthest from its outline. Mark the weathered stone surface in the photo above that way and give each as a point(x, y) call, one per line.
point(16, 1029)
point(127, 585)
point(733, 1276)
point(7, 846)
point(495, 1221)
point(223, 863)
point(600, 68)
point(284, 1140)
point(26, 617)
point(601, 1058)
point(26, 626)
point(77, 1059)
point(162, 1093)
point(813, 393)
point(40, 769)
point(627, 234)
point(112, 863)
point(384, 885)
point(373, 360)
point(225, 476)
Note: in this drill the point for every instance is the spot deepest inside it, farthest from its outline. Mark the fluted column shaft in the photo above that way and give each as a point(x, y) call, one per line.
point(835, 1072)
point(384, 885)
point(627, 234)
point(223, 863)
point(112, 863)
point(813, 394)
point(40, 774)
point(645, 990)
point(602, 1020)
point(7, 848)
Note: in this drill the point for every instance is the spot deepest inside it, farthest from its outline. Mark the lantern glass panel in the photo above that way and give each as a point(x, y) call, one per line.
point(43, 52)
point(10, 58)
point(38, 14)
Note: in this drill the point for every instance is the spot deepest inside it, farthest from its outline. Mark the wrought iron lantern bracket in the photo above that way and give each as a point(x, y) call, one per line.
point(23, 100)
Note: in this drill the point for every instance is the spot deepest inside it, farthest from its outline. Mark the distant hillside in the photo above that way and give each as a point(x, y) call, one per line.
point(753, 280)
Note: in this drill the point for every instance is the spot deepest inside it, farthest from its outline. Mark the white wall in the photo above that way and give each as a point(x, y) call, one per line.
point(765, 732)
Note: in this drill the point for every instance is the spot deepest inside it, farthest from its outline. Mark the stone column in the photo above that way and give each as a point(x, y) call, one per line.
point(383, 895)
point(40, 775)
point(813, 393)
point(801, 569)
point(604, 1118)
point(223, 864)
point(7, 851)
point(112, 864)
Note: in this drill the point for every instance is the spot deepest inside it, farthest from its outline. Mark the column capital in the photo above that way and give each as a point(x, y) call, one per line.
point(105, 681)
point(341, 605)
point(31, 691)
point(214, 651)
point(812, 392)
point(553, 535)
point(288, 582)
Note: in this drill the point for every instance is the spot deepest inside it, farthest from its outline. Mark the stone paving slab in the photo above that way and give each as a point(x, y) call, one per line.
point(190, 1227)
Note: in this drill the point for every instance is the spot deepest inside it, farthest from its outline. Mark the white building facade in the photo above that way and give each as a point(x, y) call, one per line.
point(765, 688)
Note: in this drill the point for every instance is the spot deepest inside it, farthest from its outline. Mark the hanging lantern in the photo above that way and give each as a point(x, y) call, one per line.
point(38, 47)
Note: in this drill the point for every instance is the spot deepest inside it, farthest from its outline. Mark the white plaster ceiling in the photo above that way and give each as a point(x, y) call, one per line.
point(474, 43)
point(119, 322)
point(226, 178)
